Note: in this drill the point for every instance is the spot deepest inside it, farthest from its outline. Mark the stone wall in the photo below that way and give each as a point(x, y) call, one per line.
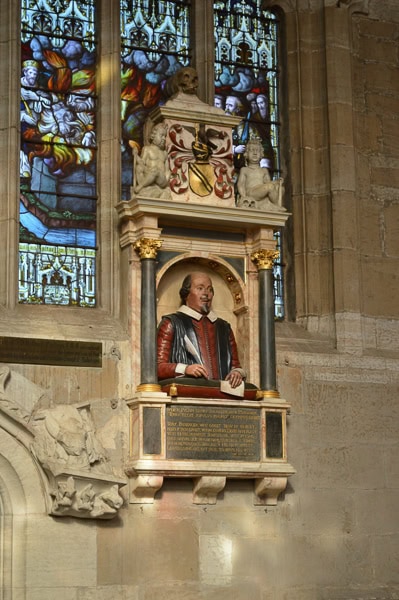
point(334, 535)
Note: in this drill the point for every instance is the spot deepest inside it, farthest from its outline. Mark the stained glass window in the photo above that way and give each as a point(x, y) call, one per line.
point(58, 153)
point(155, 38)
point(246, 85)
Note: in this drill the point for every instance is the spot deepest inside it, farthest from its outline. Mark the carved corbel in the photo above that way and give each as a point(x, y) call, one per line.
point(144, 487)
point(268, 489)
point(81, 482)
point(77, 495)
point(207, 488)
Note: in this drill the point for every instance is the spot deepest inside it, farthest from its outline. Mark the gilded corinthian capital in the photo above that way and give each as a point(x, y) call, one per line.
point(263, 259)
point(147, 248)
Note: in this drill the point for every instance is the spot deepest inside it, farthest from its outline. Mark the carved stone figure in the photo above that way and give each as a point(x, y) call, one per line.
point(255, 187)
point(80, 481)
point(65, 436)
point(151, 170)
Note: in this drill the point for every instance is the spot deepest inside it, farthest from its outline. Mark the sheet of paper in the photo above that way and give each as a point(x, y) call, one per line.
point(227, 389)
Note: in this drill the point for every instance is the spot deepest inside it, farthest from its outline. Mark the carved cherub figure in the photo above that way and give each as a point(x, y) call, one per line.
point(255, 187)
point(151, 170)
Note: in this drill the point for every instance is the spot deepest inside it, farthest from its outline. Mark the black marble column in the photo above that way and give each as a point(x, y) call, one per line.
point(267, 340)
point(147, 250)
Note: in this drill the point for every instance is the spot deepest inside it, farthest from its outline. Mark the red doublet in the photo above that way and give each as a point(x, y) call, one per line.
point(206, 335)
point(205, 331)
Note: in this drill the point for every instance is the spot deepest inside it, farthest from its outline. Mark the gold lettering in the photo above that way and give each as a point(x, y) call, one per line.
point(220, 433)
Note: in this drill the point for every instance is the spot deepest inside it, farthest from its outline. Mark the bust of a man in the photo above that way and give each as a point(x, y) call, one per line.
point(194, 342)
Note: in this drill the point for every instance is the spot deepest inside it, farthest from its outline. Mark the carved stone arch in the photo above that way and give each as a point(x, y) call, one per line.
point(21, 495)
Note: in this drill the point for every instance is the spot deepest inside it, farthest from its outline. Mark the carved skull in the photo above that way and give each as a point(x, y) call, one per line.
point(187, 80)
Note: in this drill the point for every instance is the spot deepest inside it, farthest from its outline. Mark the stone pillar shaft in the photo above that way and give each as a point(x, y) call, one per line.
point(267, 341)
point(148, 322)
point(147, 250)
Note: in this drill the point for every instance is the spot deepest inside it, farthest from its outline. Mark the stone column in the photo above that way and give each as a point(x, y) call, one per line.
point(267, 342)
point(147, 250)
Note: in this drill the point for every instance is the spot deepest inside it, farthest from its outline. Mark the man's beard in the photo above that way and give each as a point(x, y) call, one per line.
point(205, 308)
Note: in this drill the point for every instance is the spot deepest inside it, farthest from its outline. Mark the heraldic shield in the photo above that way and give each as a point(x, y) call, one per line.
point(201, 178)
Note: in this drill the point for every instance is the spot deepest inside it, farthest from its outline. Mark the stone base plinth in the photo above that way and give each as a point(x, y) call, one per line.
point(208, 441)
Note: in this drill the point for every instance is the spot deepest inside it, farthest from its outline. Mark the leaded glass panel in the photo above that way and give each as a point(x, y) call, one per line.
point(58, 153)
point(247, 85)
point(155, 38)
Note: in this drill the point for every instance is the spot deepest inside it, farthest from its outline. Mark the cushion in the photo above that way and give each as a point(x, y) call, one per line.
point(190, 387)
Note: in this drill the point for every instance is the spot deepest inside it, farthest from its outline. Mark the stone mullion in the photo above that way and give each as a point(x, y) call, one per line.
point(10, 69)
point(109, 154)
point(203, 47)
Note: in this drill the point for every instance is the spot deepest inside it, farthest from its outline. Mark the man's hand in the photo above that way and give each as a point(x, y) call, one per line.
point(196, 371)
point(235, 378)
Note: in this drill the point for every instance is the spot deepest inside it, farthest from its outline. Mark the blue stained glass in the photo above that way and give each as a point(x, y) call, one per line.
point(58, 148)
point(246, 73)
point(246, 85)
point(155, 40)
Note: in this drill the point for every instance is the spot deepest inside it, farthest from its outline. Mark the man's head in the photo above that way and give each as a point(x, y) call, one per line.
point(197, 292)
point(218, 101)
point(263, 104)
point(30, 71)
point(233, 105)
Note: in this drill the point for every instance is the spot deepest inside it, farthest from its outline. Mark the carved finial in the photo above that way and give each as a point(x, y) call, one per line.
point(147, 248)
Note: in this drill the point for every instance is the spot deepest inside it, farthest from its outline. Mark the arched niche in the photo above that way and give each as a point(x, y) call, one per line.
point(230, 300)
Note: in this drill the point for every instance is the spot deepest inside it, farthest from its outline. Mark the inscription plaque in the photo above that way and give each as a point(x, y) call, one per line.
point(212, 433)
point(50, 352)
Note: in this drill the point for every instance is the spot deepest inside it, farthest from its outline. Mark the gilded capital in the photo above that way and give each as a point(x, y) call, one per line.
point(264, 259)
point(147, 248)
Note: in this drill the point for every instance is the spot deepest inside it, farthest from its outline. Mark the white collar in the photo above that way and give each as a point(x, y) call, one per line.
point(194, 314)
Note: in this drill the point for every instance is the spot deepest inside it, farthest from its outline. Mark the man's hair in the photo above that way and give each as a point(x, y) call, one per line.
point(185, 288)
